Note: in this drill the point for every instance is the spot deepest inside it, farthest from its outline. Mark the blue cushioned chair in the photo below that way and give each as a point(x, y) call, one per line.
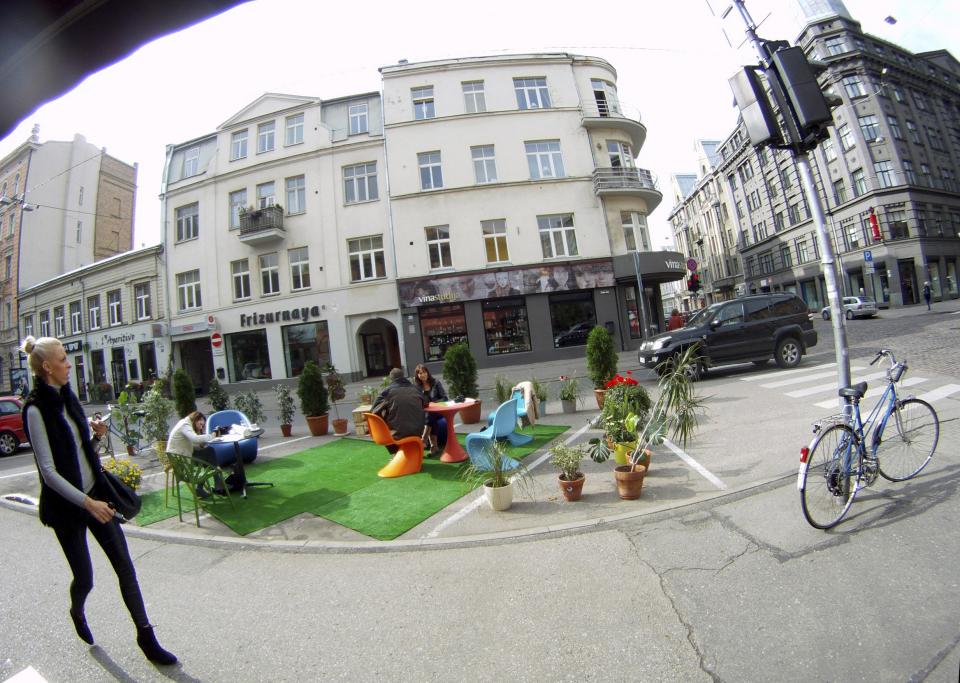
point(502, 426)
point(225, 452)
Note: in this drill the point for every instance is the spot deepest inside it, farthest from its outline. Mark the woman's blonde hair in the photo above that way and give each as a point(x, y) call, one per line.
point(39, 350)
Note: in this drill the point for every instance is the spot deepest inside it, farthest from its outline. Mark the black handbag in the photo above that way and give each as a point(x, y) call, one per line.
point(123, 499)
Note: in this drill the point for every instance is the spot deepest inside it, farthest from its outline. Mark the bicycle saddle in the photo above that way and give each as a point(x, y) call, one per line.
point(855, 391)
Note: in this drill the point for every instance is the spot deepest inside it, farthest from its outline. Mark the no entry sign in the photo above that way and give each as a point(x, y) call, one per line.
point(216, 340)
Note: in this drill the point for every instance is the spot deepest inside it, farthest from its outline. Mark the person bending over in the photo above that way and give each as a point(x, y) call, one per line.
point(401, 406)
point(188, 435)
point(434, 392)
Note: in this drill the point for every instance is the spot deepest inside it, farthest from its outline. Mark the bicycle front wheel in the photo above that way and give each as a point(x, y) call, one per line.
point(908, 440)
point(829, 483)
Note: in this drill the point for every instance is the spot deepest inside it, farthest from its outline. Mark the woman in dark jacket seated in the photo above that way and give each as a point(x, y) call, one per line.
point(434, 392)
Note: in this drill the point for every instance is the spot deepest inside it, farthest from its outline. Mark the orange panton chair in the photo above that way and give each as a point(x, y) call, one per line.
point(408, 460)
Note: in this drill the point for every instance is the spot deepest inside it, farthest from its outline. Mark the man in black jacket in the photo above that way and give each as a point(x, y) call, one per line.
point(401, 406)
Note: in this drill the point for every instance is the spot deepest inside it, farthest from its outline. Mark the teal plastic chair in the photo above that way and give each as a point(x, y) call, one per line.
point(503, 425)
point(521, 407)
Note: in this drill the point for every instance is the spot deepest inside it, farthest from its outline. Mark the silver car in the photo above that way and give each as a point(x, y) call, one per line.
point(854, 307)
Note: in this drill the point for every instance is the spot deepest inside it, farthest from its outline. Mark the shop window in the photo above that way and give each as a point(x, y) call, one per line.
point(248, 356)
point(442, 327)
point(310, 341)
point(505, 326)
point(633, 312)
point(572, 316)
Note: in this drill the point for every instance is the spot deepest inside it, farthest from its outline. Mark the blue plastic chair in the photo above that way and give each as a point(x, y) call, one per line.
point(521, 407)
point(225, 452)
point(503, 426)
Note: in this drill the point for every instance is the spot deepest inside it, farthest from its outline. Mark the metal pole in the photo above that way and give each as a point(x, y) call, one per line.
point(823, 236)
point(642, 295)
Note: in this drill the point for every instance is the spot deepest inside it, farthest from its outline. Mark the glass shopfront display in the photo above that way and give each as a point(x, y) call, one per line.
point(310, 341)
point(247, 355)
point(505, 325)
point(442, 327)
point(633, 312)
point(572, 316)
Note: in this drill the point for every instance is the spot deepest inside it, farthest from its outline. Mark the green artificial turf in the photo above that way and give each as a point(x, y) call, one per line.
point(338, 481)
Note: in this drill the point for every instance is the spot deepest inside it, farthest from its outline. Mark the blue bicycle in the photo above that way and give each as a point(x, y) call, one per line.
point(837, 464)
point(129, 434)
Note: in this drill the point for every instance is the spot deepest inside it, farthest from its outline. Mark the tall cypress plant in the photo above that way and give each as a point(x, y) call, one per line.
point(184, 395)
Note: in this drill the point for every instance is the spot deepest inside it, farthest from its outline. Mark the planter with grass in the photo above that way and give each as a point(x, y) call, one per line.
point(498, 475)
point(313, 398)
point(569, 393)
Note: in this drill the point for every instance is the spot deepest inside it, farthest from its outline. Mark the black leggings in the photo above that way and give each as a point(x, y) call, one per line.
point(73, 540)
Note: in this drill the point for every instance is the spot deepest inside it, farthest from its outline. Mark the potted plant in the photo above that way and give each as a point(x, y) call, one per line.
point(540, 391)
point(249, 404)
point(502, 388)
point(157, 411)
point(567, 459)
point(337, 392)
point(184, 395)
point(601, 361)
point(624, 397)
point(498, 479)
point(367, 393)
point(569, 393)
point(219, 400)
point(460, 372)
point(285, 406)
point(313, 398)
point(128, 472)
point(125, 420)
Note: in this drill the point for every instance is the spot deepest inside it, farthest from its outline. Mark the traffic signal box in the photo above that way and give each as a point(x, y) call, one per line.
point(693, 282)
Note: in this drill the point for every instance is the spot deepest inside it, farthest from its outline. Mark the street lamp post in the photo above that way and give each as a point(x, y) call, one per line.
point(642, 295)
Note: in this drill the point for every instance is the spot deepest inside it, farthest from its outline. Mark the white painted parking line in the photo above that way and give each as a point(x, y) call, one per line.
point(876, 391)
point(703, 471)
point(832, 386)
point(806, 378)
point(784, 373)
point(940, 392)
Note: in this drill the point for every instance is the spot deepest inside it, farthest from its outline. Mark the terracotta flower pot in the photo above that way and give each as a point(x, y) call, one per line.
point(317, 424)
point(340, 426)
point(600, 395)
point(471, 414)
point(572, 490)
point(630, 480)
point(286, 430)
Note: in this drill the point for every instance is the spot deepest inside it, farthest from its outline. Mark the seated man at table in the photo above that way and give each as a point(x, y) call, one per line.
point(401, 406)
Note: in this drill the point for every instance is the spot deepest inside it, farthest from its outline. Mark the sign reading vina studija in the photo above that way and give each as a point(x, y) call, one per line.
point(536, 280)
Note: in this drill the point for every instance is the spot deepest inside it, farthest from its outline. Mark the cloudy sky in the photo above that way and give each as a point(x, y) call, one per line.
point(673, 61)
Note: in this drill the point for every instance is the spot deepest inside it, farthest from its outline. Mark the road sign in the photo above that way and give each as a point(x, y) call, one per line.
point(691, 264)
point(216, 340)
point(867, 256)
point(868, 267)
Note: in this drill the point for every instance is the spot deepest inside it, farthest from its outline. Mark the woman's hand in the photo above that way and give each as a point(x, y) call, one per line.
point(100, 510)
point(99, 428)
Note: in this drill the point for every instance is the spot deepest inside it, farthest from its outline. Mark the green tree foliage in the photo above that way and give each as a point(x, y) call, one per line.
point(184, 395)
point(601, 357)
point(218, 397)
point(312, 391)
point(460, 371)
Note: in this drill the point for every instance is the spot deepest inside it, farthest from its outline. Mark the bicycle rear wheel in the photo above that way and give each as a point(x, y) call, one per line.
point(908, 440)
point(829, 483)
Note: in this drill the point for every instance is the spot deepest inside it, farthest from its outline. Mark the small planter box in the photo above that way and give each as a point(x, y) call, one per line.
point(359, 424)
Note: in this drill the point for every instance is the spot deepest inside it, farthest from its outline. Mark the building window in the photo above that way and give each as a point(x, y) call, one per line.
point(619, 154)
point(238, 202)
point(309, 341)
point(248, 354)
point(266, 139)
point(605, 95)
point(505, 326)
point(191, 163)
point(914, 132)
point(76, 318)
point(141, 296)
point(635, 231)
point(7, 267)
point(745, 171)
point(296, 195)
point(366, 258)
point(854, 86)
point(925, 172)
point(920, 101)
point(269, 274)
point(572, 317)
point(933, 135)
point(884, 172)
point(829, 151)
point(438, 246)
point(894, 128)
point(357, 113)
point(265, 195)
point(949, 181)
point(909, 173)
point(846, 138)
point(442, 327)
point(93, 312)
point(294, 130)
point(59, 322)
point(859, 183)
point(240, 272)
point(423, 102)
point(299, 268)
point(794, 213)
point(532, 93)
point(870, 126)
point(27, 326)
point(785, 259)
point(45, 323)
point(114, 310)
point(840, 191)
point(495, 240)
point(238, 145)
point(188, 291)
point(544, 159)
point(360, 183)
point(803, 254)
point(484, 164)
point(431, 175)
point(557, 235)
point(835, 46)
point(188, 222)
point(474, 99)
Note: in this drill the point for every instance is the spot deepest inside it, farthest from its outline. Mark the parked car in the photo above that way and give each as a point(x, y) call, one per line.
point(752, 328)
point(11, 424)
point(574, 336)
point(854, 307)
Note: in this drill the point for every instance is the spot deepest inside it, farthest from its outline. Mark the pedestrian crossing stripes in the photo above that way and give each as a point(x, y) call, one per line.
point(877, 391)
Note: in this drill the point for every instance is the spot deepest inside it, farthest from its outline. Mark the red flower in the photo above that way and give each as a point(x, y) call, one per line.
point(619, 379)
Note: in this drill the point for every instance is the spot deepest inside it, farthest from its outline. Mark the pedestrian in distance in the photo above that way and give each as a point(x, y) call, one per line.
point(72, 490)
point(676, 320)
point(432, 388)
point(401, 405)
point(927, 293)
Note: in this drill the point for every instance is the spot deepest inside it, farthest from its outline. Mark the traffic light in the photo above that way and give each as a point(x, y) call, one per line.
point(751, 100)
point(810, 105)
point(693, 282)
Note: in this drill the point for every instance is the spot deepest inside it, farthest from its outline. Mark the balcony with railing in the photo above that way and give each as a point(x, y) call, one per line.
point(260, 226)
point(614, 115)
point(638, 182)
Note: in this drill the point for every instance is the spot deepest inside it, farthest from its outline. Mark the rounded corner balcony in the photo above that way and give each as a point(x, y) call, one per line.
point(628, 181)
point(261, 226)
point(615, 116)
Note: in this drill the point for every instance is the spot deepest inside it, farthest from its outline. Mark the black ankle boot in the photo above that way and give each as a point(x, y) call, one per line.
point(80, 623)
point(147, 640)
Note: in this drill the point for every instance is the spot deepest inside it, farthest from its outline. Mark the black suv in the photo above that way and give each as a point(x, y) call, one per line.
point(751, 328)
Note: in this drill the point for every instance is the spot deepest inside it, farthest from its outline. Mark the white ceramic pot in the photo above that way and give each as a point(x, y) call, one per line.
point(500, 498)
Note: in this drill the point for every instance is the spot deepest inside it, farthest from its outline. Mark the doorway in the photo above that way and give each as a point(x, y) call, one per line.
point(81, 375)
point(375, 354)
point(118, 369)
point(908, 282)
